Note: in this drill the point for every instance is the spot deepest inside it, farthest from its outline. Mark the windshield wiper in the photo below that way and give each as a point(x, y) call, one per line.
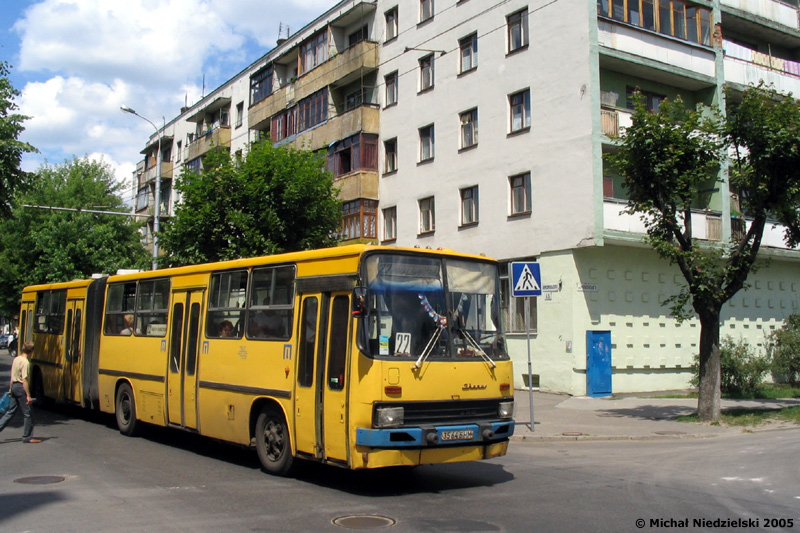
point(477, 347)
point(428, 348)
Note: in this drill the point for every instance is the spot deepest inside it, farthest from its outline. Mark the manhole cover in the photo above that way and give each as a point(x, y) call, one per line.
point(39, 480)
point(669, 433)
point(364, 522)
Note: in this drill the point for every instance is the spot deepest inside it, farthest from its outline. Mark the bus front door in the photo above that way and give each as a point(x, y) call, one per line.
point(71, 377)
point(183, 351)
point(321, 391)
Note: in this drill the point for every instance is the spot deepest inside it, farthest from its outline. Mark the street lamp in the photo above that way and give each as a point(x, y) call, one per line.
point(157, 212)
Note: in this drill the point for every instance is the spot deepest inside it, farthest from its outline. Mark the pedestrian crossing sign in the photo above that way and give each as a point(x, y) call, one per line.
point(526, 279)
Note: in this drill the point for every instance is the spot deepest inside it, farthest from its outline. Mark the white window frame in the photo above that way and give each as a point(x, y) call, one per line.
point(426, 73)
point(468, 128)
point(426, 143)
point(519, 111)
point(390, 157)
point(427, 215)
point(469, 205)
point(390, 223)
point(391, 24)
point(519, 205)
point(425, 10)
point(517, 24)
point(468, 53)
point(391, 80)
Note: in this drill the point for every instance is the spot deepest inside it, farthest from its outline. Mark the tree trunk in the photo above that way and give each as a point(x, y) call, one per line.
point(708, 402)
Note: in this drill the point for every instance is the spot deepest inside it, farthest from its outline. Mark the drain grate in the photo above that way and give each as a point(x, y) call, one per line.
point(364, 522)
point(39, 480)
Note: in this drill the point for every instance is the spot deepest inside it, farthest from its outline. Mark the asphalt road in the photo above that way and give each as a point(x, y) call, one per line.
point(173, 481)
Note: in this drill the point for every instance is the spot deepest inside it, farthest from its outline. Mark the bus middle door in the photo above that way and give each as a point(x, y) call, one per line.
point(183, 351)
point(72, 352)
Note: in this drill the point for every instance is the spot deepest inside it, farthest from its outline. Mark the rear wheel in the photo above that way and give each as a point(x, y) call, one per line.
point(126, 411)
point(272, 442)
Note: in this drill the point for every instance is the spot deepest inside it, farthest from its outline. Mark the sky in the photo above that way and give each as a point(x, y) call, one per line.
point(75, 62)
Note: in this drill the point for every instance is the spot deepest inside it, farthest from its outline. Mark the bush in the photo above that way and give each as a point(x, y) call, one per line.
point(784, 348)
point(742, 370)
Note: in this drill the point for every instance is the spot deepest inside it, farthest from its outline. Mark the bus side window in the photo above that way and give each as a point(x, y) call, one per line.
point(308, 337)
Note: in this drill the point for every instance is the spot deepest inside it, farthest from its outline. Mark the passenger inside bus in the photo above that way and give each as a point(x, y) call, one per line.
point(128, 325)
point(226, 329)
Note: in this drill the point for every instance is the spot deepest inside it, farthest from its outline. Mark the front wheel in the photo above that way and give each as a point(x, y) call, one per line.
point(272, 442)
point(126, 411)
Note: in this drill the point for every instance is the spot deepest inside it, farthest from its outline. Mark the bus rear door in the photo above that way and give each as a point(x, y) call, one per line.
point(321, 391)
point(184, 345)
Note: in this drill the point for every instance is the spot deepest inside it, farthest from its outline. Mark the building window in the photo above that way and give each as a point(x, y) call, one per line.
point(142, 199)
point(513, 309)
point(469, 206)
point(284, 124)
point(426, 143)
point(239, 114)
point(390, 223)
point(425, 10)
point(391, 89)
point(391, 24)
point(520, 186)
point(469, 52)
point(313, 52)
point(260, 85)
point(178, 155)
point(390, 155)
point(469, 128)
point(652, 101)
point(358, 219)
point(362, 34)
point(357, 152)
point(426, 73)
point(517, 30)
point(520, 110)
point(313, 110)
point(670, 17)
point(427, 215)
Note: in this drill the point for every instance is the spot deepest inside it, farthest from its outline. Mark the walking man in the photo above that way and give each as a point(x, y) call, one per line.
point(21, 394)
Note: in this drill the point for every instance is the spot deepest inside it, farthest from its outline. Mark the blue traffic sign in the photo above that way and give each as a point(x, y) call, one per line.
point(526, 279)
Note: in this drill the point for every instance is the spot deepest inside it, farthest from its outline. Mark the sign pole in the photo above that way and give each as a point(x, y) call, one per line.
point(530, 371)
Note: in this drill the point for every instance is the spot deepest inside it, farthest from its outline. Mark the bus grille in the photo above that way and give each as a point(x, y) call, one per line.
point(447, 412)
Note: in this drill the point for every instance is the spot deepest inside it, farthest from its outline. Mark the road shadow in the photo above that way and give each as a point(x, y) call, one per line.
point(649, 412)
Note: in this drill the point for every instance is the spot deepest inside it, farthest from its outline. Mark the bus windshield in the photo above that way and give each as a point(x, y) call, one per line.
point(432, 308)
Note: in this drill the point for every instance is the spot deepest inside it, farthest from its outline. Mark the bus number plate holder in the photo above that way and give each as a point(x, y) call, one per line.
point(467, 434)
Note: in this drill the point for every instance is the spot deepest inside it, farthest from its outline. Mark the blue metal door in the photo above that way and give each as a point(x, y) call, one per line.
point(598, 363)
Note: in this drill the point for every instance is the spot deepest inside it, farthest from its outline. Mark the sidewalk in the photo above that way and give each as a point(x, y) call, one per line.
point(563, 417)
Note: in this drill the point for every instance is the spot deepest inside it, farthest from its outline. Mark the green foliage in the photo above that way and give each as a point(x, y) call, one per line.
point(272, 200)
point(742, 369)
point(784, 348)
point(12, 178)
point(43, 246)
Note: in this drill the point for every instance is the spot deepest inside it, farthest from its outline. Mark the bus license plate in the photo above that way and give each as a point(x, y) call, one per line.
point(466, 434)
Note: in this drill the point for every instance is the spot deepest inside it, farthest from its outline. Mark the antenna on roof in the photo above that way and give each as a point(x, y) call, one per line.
point(281, 38)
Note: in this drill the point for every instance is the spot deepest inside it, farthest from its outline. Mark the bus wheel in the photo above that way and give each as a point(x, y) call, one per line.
point(272, 442)
point(126, 411)
point(38, 391)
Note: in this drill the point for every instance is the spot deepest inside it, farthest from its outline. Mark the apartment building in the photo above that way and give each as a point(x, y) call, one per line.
point(480, 126)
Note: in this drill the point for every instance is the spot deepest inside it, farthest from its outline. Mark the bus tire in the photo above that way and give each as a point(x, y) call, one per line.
point(272, 442)
point(38, 391)
point(126, 411)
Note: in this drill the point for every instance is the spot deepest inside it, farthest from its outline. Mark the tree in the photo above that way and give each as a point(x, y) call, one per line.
point(669, 157)
point(271, 200)
point(12, 177)
point(45, 245)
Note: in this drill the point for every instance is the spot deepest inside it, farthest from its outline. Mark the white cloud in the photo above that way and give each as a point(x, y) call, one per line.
point(88, 57)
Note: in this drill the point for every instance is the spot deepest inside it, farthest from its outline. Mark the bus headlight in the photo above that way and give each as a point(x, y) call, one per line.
point(505, 409)
point(386, 417)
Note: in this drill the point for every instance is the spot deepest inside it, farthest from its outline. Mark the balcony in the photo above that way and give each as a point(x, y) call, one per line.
point(358, 184)
point(217, 137)
point(612, 121)
point(151, 173)
point(364, 118)
point(777, 12)
point(338, 69)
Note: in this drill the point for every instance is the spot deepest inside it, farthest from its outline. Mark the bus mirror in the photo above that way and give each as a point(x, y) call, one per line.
point(360, 302)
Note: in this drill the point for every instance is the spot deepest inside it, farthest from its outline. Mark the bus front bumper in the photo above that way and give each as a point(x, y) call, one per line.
point(416, 437)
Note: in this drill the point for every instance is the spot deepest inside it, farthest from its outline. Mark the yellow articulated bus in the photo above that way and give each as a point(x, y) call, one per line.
point(357, 356)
